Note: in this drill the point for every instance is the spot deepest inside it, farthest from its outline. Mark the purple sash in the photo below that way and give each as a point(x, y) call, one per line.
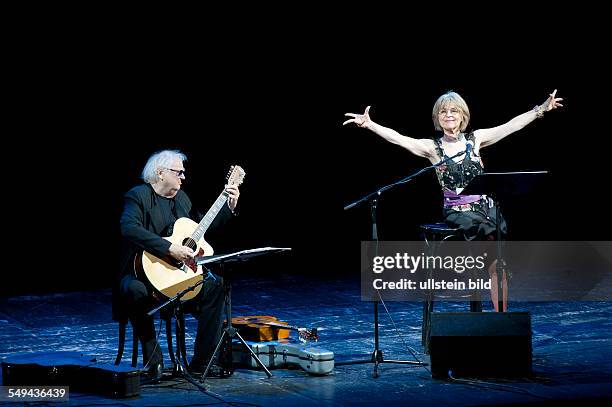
point(452, 199)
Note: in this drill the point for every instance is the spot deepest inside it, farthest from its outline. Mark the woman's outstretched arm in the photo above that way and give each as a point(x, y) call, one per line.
point(487, 137)
point(419, 147)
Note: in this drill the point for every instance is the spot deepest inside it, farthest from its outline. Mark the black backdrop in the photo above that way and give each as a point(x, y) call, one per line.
point(279, 114)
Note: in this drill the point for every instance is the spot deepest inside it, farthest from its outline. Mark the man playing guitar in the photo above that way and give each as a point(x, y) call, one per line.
point(152, 211)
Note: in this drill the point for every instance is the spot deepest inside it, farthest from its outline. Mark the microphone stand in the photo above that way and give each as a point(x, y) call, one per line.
point(377, 355)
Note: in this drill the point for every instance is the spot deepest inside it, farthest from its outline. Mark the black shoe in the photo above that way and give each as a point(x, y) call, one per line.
point(153, 374)
point(220, 372)
point(196, 367)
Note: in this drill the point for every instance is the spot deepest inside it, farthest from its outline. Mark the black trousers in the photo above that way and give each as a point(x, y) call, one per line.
point(207, 308)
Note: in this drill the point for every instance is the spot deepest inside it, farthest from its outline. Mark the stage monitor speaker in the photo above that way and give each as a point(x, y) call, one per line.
point(477, 344)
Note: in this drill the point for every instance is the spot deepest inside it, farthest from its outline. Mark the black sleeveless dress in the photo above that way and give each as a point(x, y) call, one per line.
point(476, 219)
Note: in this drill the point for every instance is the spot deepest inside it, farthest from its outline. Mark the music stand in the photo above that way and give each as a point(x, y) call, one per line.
point(229, 332)
point(502, 185)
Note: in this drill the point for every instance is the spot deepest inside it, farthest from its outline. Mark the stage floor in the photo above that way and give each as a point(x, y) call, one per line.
point(572, 349)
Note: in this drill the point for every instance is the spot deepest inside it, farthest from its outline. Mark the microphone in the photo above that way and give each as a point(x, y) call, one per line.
point(468, 149)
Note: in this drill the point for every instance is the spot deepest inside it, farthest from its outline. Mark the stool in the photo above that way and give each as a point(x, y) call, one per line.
point(180, 323)
point(435, 234)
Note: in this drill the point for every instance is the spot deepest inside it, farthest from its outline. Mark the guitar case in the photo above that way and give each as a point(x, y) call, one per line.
point(82, 373)
point(285, 355)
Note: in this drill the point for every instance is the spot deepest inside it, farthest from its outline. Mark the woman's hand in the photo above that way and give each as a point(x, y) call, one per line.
point(551, 103)
point(361, 120)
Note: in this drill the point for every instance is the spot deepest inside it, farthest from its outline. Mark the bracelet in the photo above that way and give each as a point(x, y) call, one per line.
point(538, 111)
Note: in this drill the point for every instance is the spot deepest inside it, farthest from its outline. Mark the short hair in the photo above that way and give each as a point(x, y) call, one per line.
point(160, 159)
point(447, 99)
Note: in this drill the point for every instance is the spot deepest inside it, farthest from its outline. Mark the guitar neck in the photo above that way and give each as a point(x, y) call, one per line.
point(294, 328)
point(212, 213)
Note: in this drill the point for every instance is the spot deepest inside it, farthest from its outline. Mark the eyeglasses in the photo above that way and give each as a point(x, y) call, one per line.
point(180, 173)
point(452, 111)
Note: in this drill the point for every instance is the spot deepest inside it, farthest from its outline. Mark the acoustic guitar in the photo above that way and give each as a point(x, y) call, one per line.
point(261, 328)
point(168, 276)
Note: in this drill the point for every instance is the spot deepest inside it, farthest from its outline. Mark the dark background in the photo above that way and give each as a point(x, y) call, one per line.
point(277, 111)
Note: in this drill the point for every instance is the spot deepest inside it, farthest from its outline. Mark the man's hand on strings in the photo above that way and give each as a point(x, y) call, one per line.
point(181, 253)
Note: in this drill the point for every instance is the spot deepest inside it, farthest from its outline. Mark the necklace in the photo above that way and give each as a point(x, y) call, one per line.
point(460, 137)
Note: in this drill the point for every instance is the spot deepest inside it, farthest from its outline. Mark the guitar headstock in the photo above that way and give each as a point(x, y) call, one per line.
point(235, 175)
point(306, 334)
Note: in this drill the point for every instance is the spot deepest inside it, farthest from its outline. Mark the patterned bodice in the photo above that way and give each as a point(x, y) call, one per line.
point(453, 175)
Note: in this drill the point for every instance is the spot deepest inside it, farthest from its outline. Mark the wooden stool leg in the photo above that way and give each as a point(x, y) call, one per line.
point(475, 306)
point(121, 342)
point(426, 331)
point(169, 340)
point(428, 304)
point(181, 318)
point(134, 350)
point(475, 302)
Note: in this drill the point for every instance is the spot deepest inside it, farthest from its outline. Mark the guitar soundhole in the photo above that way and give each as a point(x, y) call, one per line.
point(189, 242)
